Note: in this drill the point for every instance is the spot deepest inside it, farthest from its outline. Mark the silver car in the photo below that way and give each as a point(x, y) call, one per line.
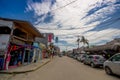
point(81, 58)
point(112, 65)
point(94, 60)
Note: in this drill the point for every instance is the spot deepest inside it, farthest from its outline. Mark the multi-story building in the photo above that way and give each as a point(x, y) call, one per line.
point(16, 38)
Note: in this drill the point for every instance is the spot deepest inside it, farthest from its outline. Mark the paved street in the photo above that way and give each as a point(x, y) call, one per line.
point(65, 68)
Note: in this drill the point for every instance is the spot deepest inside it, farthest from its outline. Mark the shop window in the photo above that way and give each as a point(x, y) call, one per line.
point(5, 30)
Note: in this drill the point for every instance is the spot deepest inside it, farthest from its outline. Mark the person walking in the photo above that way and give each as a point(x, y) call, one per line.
point(20, 58)
point(8, 60)
point(1, 62)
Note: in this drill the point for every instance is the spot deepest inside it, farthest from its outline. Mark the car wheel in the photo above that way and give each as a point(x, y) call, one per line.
point(92, 65)
point(108, 70)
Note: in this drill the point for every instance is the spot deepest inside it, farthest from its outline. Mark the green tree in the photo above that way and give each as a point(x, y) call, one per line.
point(84, 41)
point(78, 41)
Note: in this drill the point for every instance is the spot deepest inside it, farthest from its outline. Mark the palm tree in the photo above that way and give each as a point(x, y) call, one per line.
point(84, 41)
point(78, 41)
point(87, 42)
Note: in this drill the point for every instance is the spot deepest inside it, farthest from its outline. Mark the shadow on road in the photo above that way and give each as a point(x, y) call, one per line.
point(114, 75)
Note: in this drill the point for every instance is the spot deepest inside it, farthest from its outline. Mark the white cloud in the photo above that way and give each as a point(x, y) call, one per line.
point(72, 15)
point(38, 8)
point(107, 34)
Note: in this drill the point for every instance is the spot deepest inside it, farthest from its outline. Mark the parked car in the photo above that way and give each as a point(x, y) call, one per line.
point(78, 56)
point(81, 58)
point(112, 65)
point(74, 55)
point(94, 60)
point(60, 55)
point(70, 55)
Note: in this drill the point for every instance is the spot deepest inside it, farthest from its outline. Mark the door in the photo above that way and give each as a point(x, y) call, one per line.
point(115, 63)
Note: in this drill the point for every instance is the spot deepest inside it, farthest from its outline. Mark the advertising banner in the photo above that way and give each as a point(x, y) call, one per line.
point(50, 36)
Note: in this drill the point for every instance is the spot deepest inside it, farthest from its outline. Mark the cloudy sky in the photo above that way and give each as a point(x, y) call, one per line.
point(97, 20)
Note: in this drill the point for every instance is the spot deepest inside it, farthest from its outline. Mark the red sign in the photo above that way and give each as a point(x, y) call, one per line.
point(50, 37)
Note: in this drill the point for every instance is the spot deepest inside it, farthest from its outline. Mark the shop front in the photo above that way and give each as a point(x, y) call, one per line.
point(16, 55)
point(16, 39)
point(36, 52)
point(5, 31)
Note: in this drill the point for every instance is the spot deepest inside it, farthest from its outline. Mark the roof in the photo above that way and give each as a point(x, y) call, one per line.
point(25, 25)
point(103, 47)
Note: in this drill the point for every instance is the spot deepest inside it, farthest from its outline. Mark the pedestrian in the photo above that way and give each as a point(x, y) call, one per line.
point(20, 58)
point(1, 62)
point(8, 60)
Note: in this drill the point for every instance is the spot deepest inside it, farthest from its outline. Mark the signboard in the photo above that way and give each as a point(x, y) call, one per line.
point(50, 36)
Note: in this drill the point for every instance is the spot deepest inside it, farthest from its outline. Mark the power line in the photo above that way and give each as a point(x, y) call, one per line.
point(95, 32)
point(61, 7)
point(106, 25)
point(69, 29)
point(65, 5)
point(112, 32)
point(113, 21)
point(65, 29)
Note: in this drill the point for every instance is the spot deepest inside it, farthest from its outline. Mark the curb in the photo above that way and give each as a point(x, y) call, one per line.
point(20, 72)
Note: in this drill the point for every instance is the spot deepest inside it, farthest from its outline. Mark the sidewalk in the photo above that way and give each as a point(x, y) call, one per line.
point(26, 68)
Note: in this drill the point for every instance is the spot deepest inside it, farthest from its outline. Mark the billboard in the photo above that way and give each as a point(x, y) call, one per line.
point(50, 37)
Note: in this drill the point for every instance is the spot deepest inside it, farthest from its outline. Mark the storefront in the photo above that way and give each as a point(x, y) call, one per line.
point(5, 31)
point(43, 50)
point(27, 55)
point(16, 55)
point(37, 52)
point(16, 38)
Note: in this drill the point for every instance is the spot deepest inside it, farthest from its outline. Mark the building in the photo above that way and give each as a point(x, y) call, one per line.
point(111, 48)
point(46, 41)
point(16, 38)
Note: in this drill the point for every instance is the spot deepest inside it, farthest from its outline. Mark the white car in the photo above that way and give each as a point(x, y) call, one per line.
point(82, 57)
point(112, 65)
point(94, 60)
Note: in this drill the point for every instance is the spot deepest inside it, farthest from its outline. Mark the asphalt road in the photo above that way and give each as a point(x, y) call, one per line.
point(65, 68)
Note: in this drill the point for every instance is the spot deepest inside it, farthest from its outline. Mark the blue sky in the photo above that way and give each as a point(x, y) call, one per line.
point(94, 19)
point(15, 9)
